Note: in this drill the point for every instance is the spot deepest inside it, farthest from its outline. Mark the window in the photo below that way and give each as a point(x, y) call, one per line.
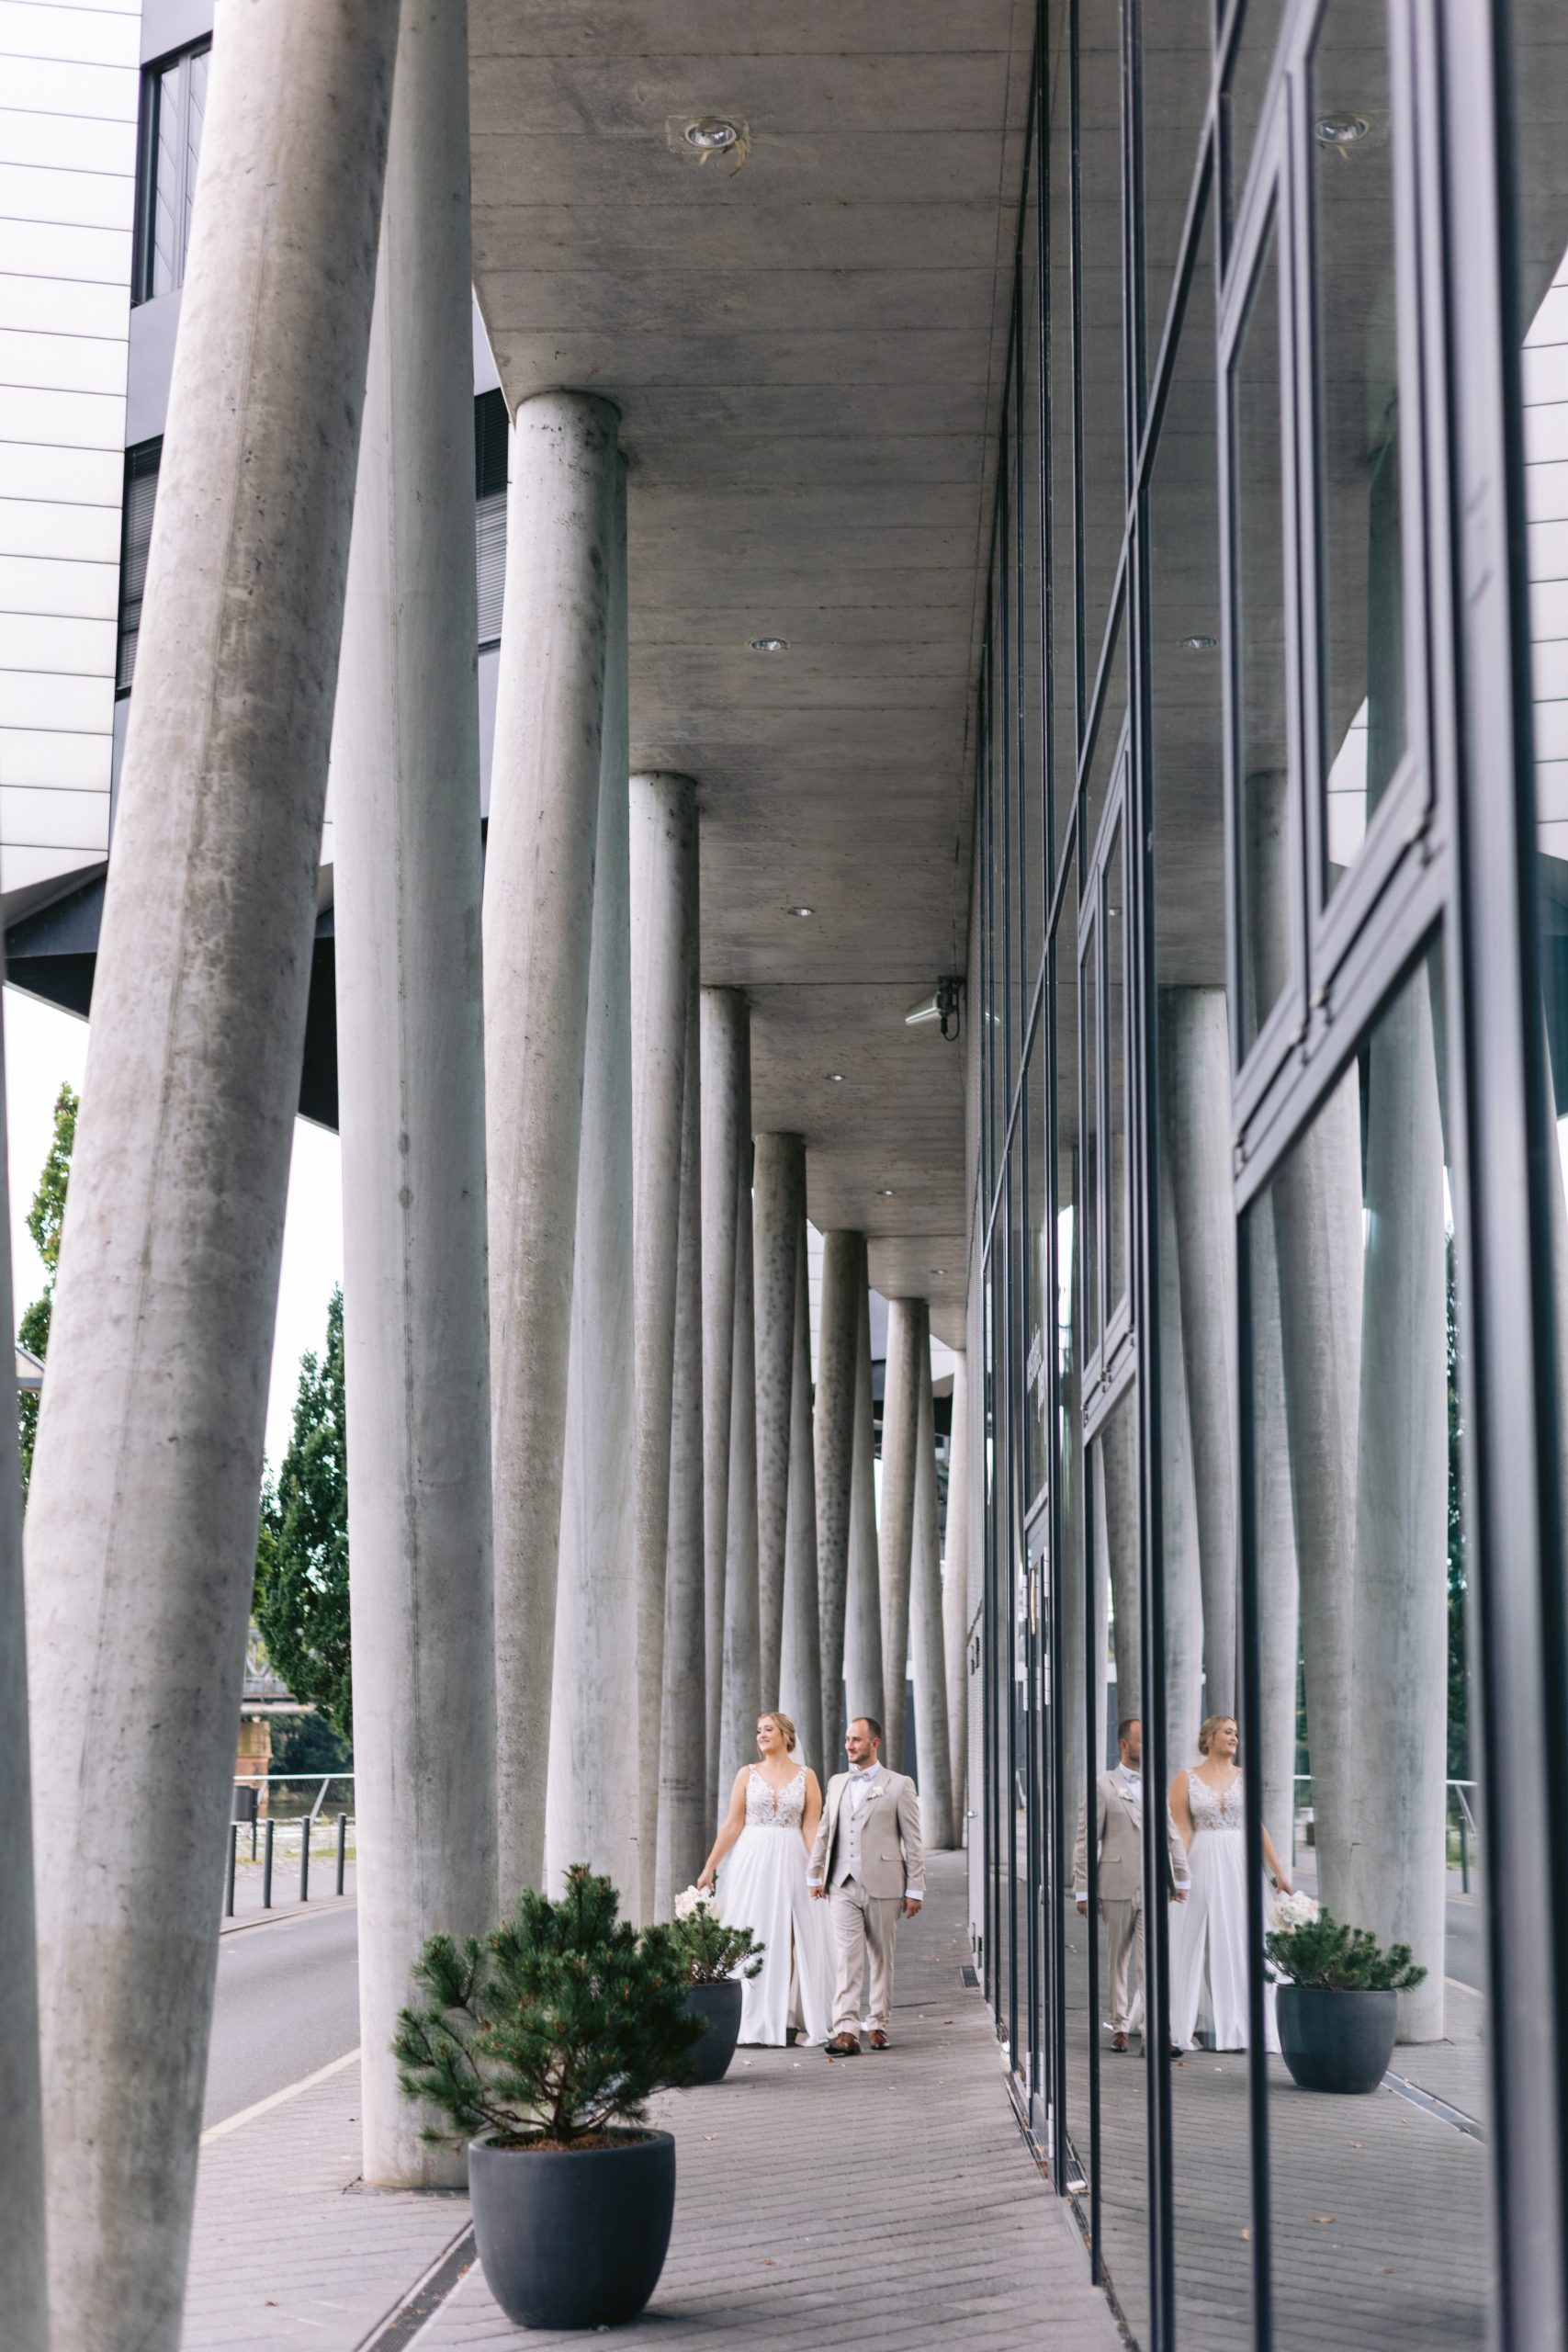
point(492, 434)
point(174, 107)
point(136, 532)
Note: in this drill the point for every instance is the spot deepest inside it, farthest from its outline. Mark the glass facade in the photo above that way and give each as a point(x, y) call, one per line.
point(1271, 1317)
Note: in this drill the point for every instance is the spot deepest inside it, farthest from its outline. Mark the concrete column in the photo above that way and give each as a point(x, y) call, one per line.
point(865, 1686)
point(685, 1782)
point(594, 1804)
point(1098, 1601)
point(955, 1592)
point(926, 1630)
point(726, 1124)
point(1119, 1450)
point(780, 1234)
point(1399, 1722)
point(908, 1335)
point(142, 1515)
point(538, 926)
point(1279, 1611)
point(800, 1659)
point(742, 1683)
point(408, 881)
point(24, 2295)
point(838, 1383)
point(1178, 1535)
point(1198, 1126)
point(663, 984)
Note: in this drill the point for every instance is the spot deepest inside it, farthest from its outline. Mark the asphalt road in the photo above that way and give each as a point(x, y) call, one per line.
point(287, 2002)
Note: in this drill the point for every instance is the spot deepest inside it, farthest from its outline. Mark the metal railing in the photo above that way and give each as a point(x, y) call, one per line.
point(1461, 1829)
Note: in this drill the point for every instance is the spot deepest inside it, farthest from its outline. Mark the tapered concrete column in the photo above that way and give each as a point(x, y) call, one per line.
point(926, 1631)
point(838, 1369)
point(23, 2271)
point(800, 1657)
point(1119, 1447)
point(663, 985)
point(595, 1807)
point(779, 1232)
point(1178, 1535)
point(742, 1677)
point(908, 1337)
point(725, 1125)
point(538, 929)
point(1400, 1721)
point(685, 1782)
point(141, 1522)
point(1198, 1126)
point(865, 1684)
point(408, 879)
point(955, 1593)
point(1278, 1610)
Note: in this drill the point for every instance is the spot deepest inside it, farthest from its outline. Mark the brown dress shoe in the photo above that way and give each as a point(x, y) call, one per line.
point(844, 2046)
point(1119, 2041)
point(877, 2037)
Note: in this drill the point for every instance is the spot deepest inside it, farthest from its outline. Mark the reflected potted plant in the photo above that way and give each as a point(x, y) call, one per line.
point(1338, 2012)
point(719, 1958)
point(540, 2046)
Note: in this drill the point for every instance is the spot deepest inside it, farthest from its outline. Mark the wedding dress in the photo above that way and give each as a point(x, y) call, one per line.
point(1208, 1932)
point(761, 1885)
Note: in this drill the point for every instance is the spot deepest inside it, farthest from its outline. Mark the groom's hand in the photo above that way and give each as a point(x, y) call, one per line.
point(912, 1905)
point(818, 1894)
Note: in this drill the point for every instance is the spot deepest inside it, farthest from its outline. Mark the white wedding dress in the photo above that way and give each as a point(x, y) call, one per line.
point(761, 1885)
point(1208, 1932)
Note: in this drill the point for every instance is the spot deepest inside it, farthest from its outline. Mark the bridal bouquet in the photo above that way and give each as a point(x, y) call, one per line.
point(695, 1898)
point(1296, 1910)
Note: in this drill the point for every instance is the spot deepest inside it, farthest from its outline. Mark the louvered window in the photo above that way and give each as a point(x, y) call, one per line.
point(491, 435)
point(135, 534)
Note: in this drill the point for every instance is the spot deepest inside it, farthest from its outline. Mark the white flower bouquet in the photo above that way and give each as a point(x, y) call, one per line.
point(695, 1898)
point(1296, 1910)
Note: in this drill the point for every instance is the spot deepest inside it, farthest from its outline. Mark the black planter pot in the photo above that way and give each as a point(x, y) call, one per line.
point(718, 2005)
point(574, 2237)
point(1336, 2042)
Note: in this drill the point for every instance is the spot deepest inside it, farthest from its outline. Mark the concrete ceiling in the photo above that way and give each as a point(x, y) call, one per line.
point(808, 355)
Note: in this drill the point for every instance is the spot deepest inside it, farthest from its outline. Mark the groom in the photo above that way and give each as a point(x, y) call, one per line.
point(869, 1864)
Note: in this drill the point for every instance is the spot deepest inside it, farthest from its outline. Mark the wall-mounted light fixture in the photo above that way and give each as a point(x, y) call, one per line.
point(941, 1006)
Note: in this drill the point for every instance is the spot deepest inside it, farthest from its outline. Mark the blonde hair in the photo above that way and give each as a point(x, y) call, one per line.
point(1207, 1729)
point(774, 1716)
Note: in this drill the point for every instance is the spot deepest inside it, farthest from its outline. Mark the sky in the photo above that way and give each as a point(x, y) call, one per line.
point(45, 1047)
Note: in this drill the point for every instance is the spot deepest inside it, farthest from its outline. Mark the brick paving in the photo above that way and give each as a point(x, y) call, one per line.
point(889, 2202)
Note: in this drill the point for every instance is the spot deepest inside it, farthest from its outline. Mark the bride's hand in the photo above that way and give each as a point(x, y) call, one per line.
point(707, 1878)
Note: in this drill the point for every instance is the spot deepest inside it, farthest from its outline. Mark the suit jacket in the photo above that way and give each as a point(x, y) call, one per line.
point(891, 1858)
point(1119, 1840)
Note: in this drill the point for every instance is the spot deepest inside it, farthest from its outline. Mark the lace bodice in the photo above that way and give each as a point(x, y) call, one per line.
point(1209, 1810)
point(768, 1808)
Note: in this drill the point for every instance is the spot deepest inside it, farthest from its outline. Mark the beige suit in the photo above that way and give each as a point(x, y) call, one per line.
point(1118, 1841)
point(869, 1859)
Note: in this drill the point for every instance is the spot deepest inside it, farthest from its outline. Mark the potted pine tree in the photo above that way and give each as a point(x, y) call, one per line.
point(718, 1961)
point(1338, 2012)
point(540, 2046)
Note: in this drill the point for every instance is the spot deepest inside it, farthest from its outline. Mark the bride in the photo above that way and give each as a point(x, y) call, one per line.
point(774, 1808)
point(1208, 1931)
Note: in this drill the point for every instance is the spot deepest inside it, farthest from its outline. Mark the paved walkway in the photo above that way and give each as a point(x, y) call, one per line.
point(886, 2201)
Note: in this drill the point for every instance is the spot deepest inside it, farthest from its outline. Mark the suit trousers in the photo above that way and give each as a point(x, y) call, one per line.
point(865, 1926)
point(1124, 1923)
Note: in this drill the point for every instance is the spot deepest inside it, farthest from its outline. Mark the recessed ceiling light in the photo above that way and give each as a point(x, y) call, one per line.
point(1199, 644)
point(835, 1078)
point(886, 1194)
point(1341, 130)
point(711, 134)
point(770, 645)
point(800, 910)
point(939, 1270)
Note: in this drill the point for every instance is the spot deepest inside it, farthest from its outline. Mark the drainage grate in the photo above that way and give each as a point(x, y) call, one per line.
point(969, 1977)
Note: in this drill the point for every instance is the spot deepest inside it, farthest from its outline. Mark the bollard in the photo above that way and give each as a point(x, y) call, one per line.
point(305, 1860)
point(342, 1846)
point(1463, 1856)
point(229, 1873)
point(267, 1866)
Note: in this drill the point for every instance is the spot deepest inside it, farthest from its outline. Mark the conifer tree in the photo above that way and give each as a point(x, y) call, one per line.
point(301, 1590)
point(46, 1220)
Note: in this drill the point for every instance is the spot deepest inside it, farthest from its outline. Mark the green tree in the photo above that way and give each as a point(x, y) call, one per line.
point(301, 1590)
point(46, 1220)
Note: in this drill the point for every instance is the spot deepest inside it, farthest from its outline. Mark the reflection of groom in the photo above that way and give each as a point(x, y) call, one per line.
point(1119, 1844)
point(869, 1863)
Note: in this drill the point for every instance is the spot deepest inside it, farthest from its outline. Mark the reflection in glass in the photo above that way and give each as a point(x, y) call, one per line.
point(1355, 1386)
point(1105, 484)
point(1062, 715)
point(1036, 1383)
point(1360, 590)
point(1177, 58)
point(1089, 1096)
point(1032, 811)
point(1116, 1066)
point(1069, 1475)
point(1259, 626)
point(1107, 740)
point(1248, 86)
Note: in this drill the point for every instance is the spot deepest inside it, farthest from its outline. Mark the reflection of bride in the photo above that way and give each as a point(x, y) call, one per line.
point(774, 1808)
point(1208, 1932)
